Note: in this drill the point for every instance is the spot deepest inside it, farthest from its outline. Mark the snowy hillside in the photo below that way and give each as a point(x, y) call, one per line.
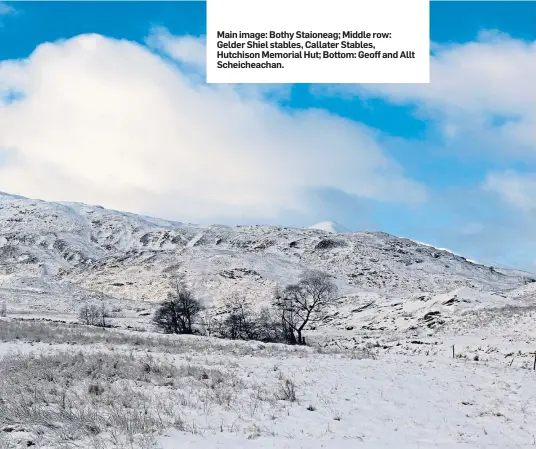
point(54, 254)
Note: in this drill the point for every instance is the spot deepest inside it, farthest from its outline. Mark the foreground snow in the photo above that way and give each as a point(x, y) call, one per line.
point(178, 440)
point(403, 403)
point(395, 401)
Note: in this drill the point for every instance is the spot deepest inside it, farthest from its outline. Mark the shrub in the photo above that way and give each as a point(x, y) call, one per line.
point(287, 390)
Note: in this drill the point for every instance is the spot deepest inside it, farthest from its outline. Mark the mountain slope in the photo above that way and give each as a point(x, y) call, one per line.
point(85, 250)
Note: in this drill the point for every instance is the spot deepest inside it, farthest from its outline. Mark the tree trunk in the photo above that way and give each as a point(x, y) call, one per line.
point(289, 333)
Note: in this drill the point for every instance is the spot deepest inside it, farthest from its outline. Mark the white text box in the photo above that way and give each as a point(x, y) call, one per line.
point(336, 41)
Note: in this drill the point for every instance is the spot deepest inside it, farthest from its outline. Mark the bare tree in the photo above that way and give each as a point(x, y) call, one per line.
point(241, 320)
point(304, 302)
point(176, 315)
point(270, 328)
point(103, 314)
point(207, 324)
point(94, 315)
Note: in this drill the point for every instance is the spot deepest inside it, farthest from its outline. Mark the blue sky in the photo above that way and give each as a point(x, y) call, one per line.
point(450, 163)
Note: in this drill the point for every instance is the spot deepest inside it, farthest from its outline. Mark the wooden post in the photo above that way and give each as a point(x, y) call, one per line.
point(534, 367)
point(453, 356)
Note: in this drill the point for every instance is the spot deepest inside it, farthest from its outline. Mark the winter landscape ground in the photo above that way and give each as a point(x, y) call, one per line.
point(421, 349)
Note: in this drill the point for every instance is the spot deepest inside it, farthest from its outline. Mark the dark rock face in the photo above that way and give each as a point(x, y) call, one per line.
point(326, 244)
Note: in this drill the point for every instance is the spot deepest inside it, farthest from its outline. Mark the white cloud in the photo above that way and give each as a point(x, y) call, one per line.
point(5, 9)
point(110, 122)
point(484, 89)
point(188, 49)
point(519, 190)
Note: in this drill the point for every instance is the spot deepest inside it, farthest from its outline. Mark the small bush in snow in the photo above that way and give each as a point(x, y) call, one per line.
point(287, 390)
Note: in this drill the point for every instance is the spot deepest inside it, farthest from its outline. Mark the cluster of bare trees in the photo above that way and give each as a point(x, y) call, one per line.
point(293, 309)
point(94, 315)
point(242, 321)
point(176, 315)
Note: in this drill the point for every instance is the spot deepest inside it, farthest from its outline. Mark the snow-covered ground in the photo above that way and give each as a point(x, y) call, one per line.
point(231, 396)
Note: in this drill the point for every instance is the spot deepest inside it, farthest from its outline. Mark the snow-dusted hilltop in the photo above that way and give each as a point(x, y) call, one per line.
point(330, 226)
point(69, 250)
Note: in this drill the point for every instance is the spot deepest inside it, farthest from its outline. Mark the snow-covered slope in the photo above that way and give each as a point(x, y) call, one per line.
point(71, 250)
point(331, 227)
